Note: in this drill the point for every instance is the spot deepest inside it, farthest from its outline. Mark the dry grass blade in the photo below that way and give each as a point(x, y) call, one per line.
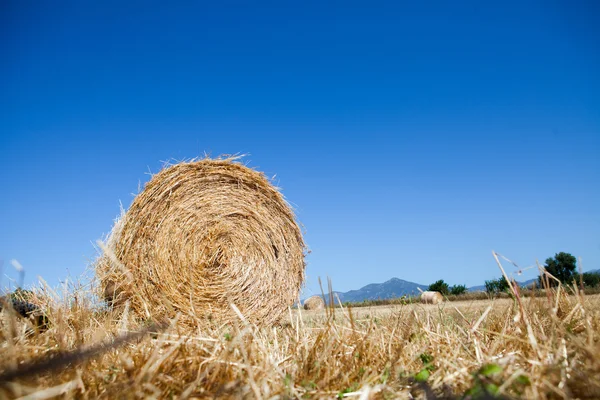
point(54, 391)
point(61, 361)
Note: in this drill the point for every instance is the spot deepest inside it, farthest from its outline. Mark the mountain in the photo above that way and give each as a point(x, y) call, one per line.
point(594, 271)
point(480, 288)
point(395, 288)
point(529, 283)
point(391, 289)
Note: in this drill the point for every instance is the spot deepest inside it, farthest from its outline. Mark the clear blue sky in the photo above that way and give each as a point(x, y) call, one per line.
point(412, 138)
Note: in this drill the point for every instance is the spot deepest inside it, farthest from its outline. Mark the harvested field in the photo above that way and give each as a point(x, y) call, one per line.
point(538, 348)
point(467, 307)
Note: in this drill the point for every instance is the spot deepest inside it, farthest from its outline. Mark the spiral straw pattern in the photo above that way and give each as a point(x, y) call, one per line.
point(201, 236)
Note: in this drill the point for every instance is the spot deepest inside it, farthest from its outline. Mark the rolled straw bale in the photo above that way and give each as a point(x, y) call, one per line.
point(431, 297)
point(203, 235)
point(314, 303)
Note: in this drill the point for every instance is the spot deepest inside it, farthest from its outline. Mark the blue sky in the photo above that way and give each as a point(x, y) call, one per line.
point(411, 138)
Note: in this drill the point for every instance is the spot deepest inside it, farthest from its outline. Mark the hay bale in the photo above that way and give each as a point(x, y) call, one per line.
point(431, 297)
point(314, 303)
point(201, 236)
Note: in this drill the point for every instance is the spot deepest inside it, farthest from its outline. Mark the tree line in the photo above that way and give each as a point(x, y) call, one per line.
point(445, 289)
point(562, 267)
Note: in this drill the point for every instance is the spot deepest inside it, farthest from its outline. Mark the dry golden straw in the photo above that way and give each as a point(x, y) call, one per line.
point(201, 236)
point(431, 297)
point(314, 303)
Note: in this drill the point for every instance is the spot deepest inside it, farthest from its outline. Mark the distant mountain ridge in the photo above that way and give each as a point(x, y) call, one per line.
point(390, 289)
point(594, 271)
point(393, 289)
point(396, 287)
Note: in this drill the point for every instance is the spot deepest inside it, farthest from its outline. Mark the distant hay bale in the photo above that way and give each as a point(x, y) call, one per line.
point(200, 236)
point(431, 297)
point(314, 303)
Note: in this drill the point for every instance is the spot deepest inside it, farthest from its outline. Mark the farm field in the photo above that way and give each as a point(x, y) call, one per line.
point(540, 348)
point(466, 307)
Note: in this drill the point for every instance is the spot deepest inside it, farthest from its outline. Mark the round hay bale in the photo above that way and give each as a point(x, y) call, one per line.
point(314, 303)
point(431, 297)
point(201, 236)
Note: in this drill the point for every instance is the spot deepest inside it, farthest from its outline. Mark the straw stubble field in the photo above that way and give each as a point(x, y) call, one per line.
point(530, 348)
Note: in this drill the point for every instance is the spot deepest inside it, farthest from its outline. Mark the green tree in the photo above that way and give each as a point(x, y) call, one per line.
point(496, 286)
point(458, 290)
point(491, 286)
point(562, 267)
point(440, 286)
point(590, 279)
